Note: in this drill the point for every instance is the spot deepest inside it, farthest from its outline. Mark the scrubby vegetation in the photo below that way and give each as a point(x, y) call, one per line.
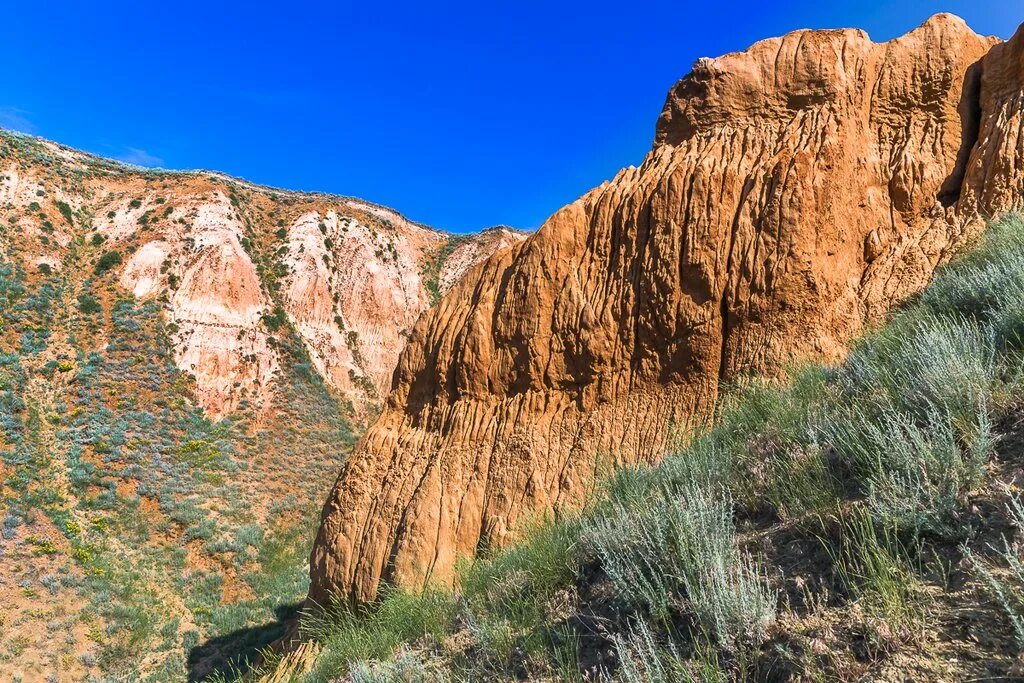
point(108, 261)
point(432, 271)
point(139, 539)
point(852, 521)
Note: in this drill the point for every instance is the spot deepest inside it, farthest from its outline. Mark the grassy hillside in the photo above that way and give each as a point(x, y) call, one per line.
point(142, 537)
point(861, 520)
point(139, 539)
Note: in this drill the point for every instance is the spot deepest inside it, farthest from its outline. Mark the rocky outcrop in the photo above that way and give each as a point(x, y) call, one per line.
point(794, 192)
point(232, 262)
point(466, 253)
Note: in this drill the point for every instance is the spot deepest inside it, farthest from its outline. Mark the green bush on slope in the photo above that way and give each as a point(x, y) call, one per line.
point(883, 447)
point(109, 260)
point(1007, 586)
point(685, 546)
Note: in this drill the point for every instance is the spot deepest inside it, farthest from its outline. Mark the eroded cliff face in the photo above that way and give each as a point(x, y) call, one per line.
point(232, 262)
point(794, 192)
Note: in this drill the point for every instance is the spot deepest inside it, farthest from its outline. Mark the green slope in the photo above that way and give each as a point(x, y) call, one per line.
point(150, 542)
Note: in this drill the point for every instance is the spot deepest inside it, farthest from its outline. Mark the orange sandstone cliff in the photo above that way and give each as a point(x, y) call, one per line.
point(794, 192)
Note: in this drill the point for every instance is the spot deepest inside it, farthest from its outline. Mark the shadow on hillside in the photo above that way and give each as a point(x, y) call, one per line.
point(238, 650)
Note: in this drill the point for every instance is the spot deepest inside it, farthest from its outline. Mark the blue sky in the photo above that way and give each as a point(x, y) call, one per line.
point(460, 115)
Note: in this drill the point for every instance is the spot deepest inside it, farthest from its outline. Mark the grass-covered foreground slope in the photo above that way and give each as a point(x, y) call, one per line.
point(861, 520)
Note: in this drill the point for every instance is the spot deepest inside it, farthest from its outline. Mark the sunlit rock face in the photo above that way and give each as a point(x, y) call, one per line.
point(793, 193)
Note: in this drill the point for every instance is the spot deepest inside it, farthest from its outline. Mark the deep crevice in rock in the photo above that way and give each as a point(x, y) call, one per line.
point(970, 127)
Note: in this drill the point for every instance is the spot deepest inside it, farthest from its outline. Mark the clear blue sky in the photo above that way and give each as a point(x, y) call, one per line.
point(459, 115)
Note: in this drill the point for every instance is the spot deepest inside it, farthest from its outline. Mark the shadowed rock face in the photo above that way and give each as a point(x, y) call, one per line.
point(794, 192)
